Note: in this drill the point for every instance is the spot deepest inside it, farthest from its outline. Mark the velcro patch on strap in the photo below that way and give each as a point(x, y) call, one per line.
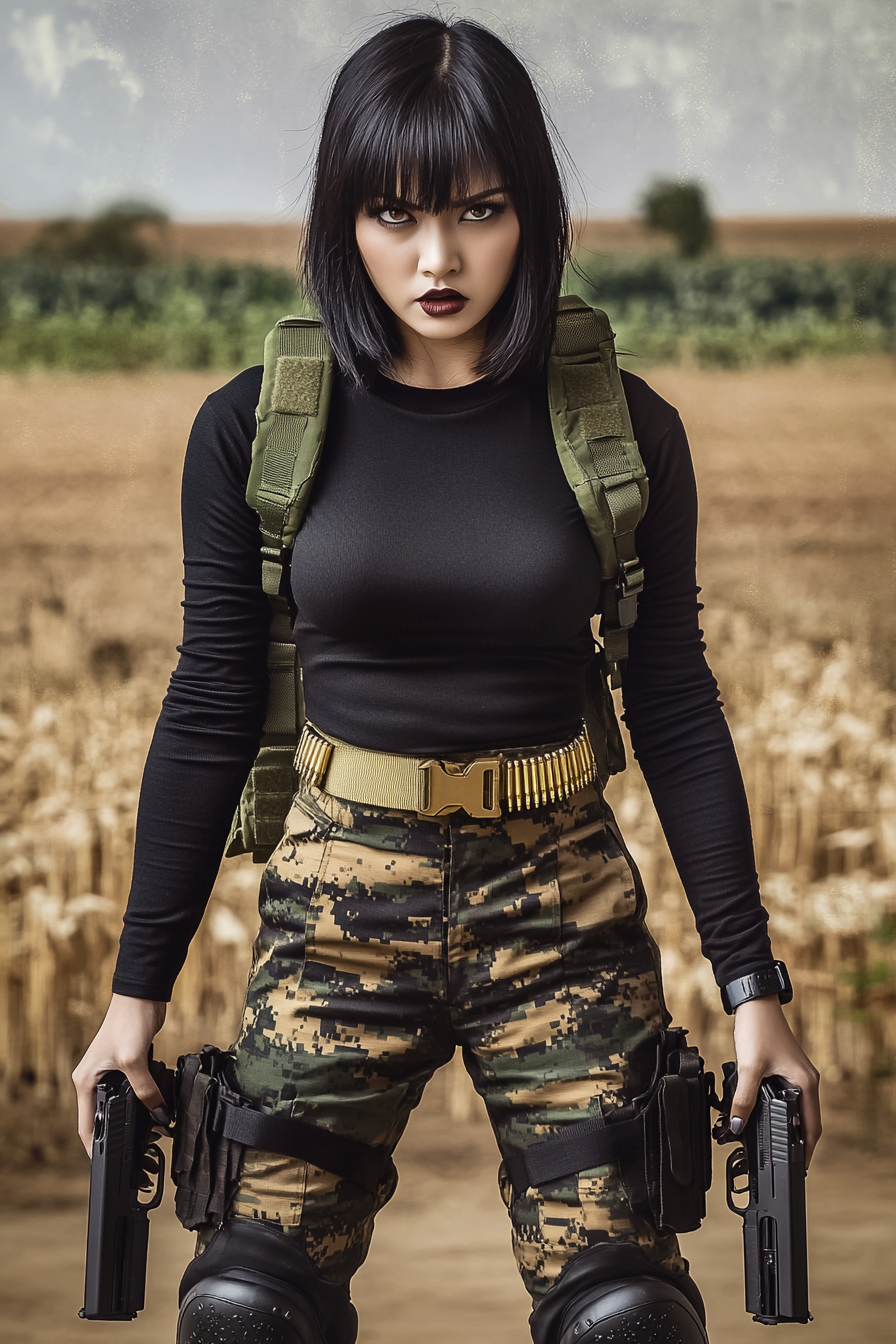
point(609, 457)
point(297, 380)
point(585, 384)
point(580, 329)
point(602, 422)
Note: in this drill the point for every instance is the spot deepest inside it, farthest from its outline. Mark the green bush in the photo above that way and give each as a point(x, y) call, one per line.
point(733, 312)
point(716, 311)
point(681, 209)
point(95, 341)
point(218, 290)
point(116, 237)
point(193, 316)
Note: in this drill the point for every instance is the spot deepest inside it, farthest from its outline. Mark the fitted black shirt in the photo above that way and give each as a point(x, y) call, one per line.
point(444, 577)
point(443, 580)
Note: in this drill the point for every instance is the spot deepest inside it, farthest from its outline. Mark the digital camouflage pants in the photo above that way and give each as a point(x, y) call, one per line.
point(386, 941)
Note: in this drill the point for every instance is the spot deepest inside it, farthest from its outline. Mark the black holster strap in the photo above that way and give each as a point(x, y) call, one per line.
point(589, 1143)
point(293, 1137)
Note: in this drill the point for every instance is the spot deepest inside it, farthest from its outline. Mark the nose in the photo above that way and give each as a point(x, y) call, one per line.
point(438, 256)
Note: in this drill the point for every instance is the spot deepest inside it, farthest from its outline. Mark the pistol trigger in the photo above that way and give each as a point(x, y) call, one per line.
point(156, 1200)
point(736, 1167)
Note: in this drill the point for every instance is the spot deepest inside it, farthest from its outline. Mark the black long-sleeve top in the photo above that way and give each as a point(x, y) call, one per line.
point(443, 580)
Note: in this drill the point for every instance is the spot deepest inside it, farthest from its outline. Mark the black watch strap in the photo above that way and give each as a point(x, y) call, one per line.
point(759, 985)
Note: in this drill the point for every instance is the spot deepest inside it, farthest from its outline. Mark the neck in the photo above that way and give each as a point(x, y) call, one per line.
point(435, 364)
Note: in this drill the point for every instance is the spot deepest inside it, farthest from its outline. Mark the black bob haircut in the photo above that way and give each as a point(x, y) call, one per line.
point(434, 103)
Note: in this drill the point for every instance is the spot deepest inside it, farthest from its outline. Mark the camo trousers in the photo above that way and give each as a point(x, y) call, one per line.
point(386, 941)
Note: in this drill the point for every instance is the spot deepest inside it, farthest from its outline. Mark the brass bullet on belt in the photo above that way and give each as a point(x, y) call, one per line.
point(564, 773)
point(580, 761)
point(576, 758)
point(552, 777)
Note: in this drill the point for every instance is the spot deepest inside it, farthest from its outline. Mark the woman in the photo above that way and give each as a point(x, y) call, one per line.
point(443, 582)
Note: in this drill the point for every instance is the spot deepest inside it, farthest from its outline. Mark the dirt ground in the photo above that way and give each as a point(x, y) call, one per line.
point(441, 1268)
point(797, 472)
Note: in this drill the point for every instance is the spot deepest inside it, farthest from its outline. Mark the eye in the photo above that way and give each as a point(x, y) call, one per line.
point(393, 214)
point(474, 213)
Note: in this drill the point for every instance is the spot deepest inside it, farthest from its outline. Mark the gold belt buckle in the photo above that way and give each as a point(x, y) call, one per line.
point(475, 788)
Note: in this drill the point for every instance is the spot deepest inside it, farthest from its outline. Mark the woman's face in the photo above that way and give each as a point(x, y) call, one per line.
point(441, 275)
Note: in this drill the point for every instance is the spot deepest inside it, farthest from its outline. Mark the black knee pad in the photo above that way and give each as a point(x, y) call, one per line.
point(640, 1310)
point(613, 1293)
point(239, 1305)
point(257, 1285)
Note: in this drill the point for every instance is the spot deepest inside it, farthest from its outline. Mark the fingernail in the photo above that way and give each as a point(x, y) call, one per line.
point(735, 1124)
point(161, 1116)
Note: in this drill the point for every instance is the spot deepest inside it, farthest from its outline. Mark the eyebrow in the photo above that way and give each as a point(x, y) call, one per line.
point(480, 196)
point(456, 205)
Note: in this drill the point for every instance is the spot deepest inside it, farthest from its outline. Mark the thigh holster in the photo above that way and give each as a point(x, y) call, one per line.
point(215, 1123)
point(659, 1141)
point(254, 1283)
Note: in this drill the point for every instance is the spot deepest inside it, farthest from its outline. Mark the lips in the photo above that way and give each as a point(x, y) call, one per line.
point(442, 302)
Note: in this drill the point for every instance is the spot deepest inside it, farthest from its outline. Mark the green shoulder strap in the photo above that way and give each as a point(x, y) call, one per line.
point(292, 419)
point(596, 444)
point(600, 457)
point(597, 447)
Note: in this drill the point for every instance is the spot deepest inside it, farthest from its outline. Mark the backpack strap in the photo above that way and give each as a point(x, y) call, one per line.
point(292, 419)
point(597, 447)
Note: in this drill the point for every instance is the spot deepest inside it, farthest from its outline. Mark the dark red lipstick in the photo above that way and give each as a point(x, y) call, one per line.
point(442, 302)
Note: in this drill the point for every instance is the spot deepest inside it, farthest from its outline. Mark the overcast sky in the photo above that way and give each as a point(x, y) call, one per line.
point(210, 107)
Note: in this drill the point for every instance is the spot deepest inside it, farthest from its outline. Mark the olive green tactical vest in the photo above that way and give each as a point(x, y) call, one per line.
point(596, 445)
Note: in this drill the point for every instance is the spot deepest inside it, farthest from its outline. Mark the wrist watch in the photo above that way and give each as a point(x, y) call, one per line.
point(759, 985)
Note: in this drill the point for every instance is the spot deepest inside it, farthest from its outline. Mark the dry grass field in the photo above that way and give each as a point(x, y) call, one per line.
point(797, 470)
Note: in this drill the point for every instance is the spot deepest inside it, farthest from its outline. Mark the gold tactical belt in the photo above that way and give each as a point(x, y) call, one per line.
point(432, 788)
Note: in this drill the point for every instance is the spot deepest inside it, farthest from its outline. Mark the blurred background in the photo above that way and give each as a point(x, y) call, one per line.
point(734, 185)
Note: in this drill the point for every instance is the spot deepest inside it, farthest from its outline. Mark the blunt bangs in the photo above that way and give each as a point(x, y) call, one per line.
point(416, 115)
point(423, 148)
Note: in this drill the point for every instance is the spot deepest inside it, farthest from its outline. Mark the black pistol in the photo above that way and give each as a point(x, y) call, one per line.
point(117, 1219)
point(766, 1187)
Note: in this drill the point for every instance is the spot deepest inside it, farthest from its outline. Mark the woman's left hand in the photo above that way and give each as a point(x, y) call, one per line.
point(764, 1044)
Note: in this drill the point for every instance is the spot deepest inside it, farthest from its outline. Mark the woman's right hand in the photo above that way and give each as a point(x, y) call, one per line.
point(122, 1043)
